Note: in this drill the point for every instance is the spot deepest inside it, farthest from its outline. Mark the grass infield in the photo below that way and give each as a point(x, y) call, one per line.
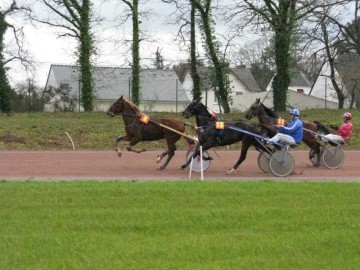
point(179, 225)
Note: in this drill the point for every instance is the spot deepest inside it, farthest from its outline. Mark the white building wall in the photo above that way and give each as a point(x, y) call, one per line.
point(296, 100)
point(294, 88)
point(238, 89)
point(323, 87)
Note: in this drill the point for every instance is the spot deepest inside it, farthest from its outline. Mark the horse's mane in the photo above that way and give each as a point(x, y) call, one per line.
point(269, 111)
point(131, 105)
point(322, 128)
point(205, 109)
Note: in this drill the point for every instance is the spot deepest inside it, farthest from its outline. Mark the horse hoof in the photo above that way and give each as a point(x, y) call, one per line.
point(159, 158)
point(230, 171)
point(182, 167)
point(119, 154)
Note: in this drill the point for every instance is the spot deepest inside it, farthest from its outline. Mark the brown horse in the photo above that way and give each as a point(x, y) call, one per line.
point(268, 117)
point(137, 131)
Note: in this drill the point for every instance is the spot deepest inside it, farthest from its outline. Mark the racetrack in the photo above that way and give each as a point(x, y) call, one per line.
point(106, 165)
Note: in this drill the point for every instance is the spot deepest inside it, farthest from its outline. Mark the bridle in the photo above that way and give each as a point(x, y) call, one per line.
point(253, 111)
point(193, 109)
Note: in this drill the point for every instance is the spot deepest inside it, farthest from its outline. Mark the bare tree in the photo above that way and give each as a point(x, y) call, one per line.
point(351, 31)
point(324, 33)
point(132, 10)
point(135, 45)
point(281, 17)
point(186, 9)
point(258, 56)
point(74, 18)
point(348, 64)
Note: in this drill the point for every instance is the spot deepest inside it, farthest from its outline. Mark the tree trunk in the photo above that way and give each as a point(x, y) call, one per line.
point(5, 89)
point(331, 59)
point(135, 85)
point(84, 58)
point(340, 94)
point(220, 68)
point(194, 74)
point(281, 80)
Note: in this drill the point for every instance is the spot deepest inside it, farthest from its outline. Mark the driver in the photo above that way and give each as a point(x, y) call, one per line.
point(292, 133)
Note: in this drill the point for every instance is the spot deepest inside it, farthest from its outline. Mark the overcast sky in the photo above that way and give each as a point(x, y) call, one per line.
point(46, 48)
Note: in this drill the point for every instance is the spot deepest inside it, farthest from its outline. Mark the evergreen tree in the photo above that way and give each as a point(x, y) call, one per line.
point(5, 89)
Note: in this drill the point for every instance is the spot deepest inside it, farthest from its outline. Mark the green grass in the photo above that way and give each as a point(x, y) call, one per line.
point(179, 225)
point(97, 131)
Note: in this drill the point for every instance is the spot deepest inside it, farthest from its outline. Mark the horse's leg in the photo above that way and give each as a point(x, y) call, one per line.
point(161, 156)
point(170, 151)
point(318, 155)
point(170, 154)
point(117, 147)
point(244, 149)
point(133, 142)
point(196, 153)
point(169, 157)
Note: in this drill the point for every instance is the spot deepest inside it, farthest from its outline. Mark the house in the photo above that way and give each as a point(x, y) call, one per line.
point(299, 94)
point(241, 80)
point(299, 82)
point(347, 76)
point(294, 100)
point(160, 89)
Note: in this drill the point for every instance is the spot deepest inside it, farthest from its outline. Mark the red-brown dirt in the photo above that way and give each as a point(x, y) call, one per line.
point(106, 165)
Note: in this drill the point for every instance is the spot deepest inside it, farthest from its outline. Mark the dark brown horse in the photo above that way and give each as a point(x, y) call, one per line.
point(268, 117)
point(137, 131)
point(210, 137)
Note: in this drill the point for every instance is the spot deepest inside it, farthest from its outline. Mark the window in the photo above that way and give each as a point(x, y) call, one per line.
point(239, 93)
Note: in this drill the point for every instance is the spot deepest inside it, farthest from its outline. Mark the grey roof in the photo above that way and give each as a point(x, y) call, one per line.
point(245, 76)
point(112, 82)
point(242, 73)
point(300, 79)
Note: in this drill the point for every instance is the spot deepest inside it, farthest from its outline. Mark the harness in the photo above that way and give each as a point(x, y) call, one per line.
point(219, 126)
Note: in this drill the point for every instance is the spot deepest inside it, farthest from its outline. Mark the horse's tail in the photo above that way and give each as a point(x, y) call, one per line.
point(189, 142)
point(193, 128)
point(322, 128)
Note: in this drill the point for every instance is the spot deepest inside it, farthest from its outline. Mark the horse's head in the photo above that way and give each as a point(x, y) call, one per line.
point(253, 110)
point(264, 114)
point(192, 109)
point(116, 108)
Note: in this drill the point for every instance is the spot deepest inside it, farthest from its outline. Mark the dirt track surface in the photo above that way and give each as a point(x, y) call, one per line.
point(106, 165)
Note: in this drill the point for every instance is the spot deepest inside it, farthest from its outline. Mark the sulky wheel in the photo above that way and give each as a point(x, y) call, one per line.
point(333, 157)
point(263, 161)
point(282, 164)
point(196, 163)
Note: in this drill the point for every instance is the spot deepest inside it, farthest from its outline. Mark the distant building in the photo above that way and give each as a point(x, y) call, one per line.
point(299, 83)
point(161, 90)
point(347, 76)
point(242, 82)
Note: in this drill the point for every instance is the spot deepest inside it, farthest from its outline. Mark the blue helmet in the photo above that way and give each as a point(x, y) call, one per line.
point(295, 112)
